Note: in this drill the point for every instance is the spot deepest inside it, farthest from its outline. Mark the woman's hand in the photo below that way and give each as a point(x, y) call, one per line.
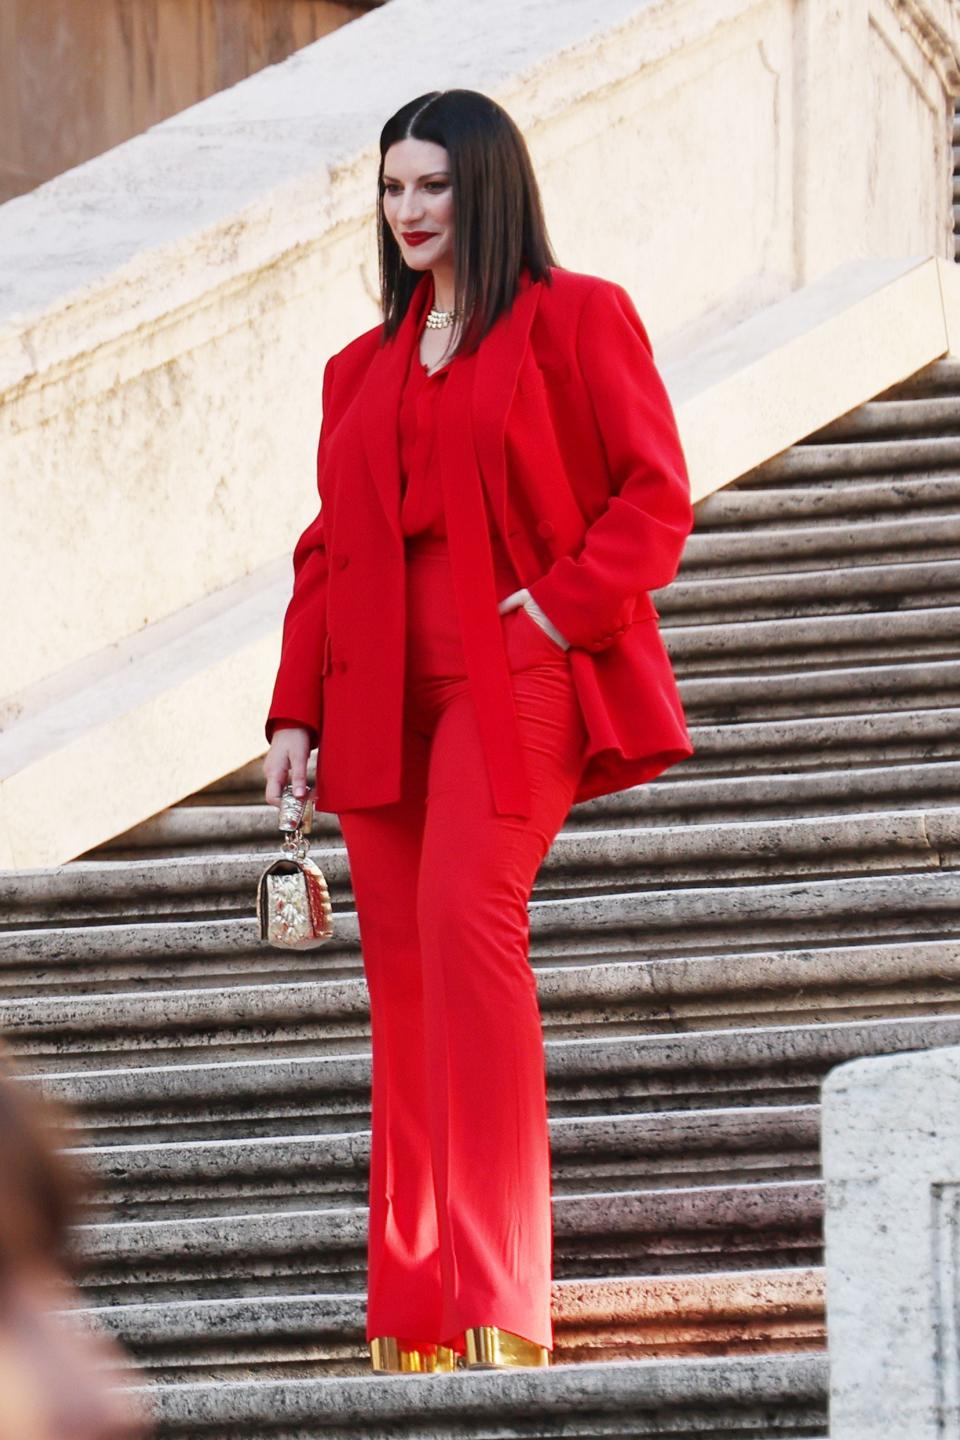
point(524, 598)
point(286, 761)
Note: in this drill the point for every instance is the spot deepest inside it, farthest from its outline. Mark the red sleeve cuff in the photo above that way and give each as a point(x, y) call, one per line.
point(277, 722)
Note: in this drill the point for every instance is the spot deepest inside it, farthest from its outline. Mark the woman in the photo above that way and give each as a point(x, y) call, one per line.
point(471, 644)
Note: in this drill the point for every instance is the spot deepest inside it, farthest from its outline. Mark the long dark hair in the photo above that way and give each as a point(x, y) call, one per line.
point(498, 215)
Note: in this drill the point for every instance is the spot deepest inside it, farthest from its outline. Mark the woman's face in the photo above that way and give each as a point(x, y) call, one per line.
point(418, 202)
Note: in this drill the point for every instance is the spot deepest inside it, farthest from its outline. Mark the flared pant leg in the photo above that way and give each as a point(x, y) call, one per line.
point(460, 1220)
point(403, 1275)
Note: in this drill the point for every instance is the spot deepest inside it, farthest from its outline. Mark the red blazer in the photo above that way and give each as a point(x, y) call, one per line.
point(576, 442)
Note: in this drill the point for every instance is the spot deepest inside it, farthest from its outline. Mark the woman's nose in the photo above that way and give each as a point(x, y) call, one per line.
point(410, 208)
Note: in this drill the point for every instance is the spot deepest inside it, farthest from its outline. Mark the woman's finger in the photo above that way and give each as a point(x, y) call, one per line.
point(298, 772)
point(276, 768)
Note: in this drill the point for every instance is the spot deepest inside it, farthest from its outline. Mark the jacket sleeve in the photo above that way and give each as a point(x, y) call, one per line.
point(298, 690)
point(635, 544)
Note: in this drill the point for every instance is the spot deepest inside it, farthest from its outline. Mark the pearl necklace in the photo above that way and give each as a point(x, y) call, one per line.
point(441, 319)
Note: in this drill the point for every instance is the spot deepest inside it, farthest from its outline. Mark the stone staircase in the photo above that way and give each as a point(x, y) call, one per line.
point(706, 948)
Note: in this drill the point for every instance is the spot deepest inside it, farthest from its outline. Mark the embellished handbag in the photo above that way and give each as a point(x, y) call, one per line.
point(293, 902)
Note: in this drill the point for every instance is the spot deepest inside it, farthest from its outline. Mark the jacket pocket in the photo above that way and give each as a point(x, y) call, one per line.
point(326, 663)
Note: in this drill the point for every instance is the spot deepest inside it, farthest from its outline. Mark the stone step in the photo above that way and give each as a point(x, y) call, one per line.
point(845, 590)
point(782, 551)
point(807, 694)
point(37, 960)
point(878, 736)
point(815, 642)
point(811, 644)
point(631, 1318)
point(300, 1251)
point(753, 508)
point(813, 460)
point(763, 1397)
point(895, 419)
point(216, 821)
point(596, 1153)
point(940, 377)
point(801, 795)
point(770, 1064)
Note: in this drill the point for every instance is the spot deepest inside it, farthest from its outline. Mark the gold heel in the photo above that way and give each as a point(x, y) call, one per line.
point(388, 1356)
point(490, 1348)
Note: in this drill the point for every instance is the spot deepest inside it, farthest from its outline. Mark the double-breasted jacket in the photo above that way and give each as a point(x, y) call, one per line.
point(561, 414)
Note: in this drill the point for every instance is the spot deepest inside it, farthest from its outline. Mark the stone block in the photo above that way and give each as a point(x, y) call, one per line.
point(891, 1156)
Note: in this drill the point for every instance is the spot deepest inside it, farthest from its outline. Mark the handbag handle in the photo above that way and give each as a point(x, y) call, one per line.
point(294, 820)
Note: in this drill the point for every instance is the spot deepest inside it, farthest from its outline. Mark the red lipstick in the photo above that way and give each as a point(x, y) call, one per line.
point(417, 237)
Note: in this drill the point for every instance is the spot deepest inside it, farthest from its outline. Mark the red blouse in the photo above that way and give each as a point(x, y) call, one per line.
point(421, 506)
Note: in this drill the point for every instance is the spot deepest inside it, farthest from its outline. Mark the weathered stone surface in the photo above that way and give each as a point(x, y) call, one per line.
point(641, 1317)
point(892, 1175)
point(816, 791)
point(931, 381)
point(834, 690)
point(595, 1153)
point(895, 634)
point(874, 495)
point(866, 457)
point(795, 544)
point(769, 1396)
point(893, 419)
point(840, 590)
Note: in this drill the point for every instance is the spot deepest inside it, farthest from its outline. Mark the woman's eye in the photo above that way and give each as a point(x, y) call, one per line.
point(435, 185)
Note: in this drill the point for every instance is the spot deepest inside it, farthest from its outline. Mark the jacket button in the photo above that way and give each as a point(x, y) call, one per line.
point(342, 560)
point(545, 528)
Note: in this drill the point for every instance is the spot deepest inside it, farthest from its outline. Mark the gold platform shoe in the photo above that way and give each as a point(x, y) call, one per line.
point(389, 1357)
point(490, 1348)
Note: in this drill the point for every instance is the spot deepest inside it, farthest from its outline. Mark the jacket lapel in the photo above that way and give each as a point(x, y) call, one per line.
point(379, 402)
point(498, 362)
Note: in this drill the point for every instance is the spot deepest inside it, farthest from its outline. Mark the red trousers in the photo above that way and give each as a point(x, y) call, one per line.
point(460, 1219)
